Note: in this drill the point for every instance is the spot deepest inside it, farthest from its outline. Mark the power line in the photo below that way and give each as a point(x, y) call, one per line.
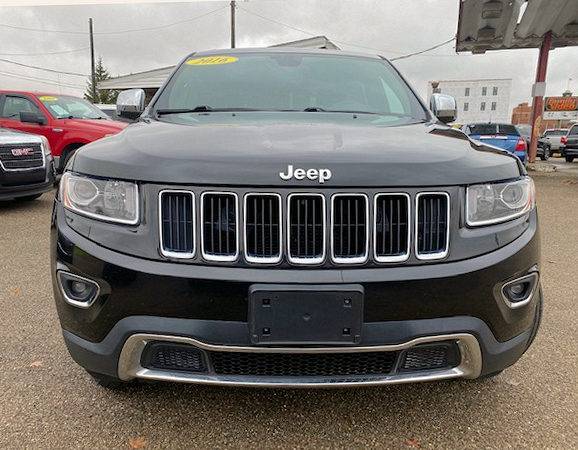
point(403, 56)
point(158, 27)
point(41, 80)
point(409, 55)
point(60, 52)
point(43, 68)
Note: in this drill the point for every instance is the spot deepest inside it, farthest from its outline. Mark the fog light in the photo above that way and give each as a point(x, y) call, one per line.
point(519, 292)
point(76, 290)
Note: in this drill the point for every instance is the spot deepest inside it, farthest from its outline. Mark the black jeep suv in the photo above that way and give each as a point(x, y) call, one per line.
point(294, 218)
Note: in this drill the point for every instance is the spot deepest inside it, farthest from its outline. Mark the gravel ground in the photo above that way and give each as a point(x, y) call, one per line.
point(49, 402)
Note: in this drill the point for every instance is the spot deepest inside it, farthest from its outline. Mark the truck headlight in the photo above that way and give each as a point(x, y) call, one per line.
point(109, 200)
point(45, 146)
point(488, 204)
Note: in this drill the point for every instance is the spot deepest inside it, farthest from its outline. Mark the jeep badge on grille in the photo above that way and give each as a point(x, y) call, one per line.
point(322, 175)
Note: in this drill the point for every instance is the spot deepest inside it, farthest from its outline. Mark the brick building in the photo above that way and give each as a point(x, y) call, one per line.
point(522, 115)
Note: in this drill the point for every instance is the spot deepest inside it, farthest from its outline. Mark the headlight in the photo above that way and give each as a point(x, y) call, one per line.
point(45, 146)
point(110, 200)
point(499, 202)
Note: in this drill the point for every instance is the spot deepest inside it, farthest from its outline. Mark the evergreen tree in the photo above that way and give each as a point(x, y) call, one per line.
point(102, 96)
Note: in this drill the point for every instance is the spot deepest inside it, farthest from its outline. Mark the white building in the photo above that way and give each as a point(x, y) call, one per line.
point(478, 100)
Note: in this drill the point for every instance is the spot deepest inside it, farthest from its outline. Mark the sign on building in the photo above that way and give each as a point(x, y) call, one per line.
point(561, 108)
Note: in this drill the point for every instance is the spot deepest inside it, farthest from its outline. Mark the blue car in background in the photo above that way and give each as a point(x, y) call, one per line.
point(501, 135)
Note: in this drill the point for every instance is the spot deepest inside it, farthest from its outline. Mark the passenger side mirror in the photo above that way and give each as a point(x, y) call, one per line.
point(444, 107)
point(130, 104)
point(32, 117)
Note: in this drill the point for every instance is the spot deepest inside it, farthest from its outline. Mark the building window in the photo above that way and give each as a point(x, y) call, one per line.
point(466, 106)
point(467, 93)
point(494, 106)
point(495, 90)
point(483, 106)
point(484, 90)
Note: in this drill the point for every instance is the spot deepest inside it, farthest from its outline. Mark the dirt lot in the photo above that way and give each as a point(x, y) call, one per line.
point(49, 402)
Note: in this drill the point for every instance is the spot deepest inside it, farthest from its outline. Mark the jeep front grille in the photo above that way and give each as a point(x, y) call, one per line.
point(263, 235)
point(306, 228)
point(432, 225)
point(16, 157)
point(219, 217)
point(349, 220)
point(177, 221)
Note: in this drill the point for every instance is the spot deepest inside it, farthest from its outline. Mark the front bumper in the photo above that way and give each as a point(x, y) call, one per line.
point(27, 183)
point(206, 307)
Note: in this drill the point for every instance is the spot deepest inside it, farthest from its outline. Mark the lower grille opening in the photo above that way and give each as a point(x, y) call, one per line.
point(158, 355)
point(430, 357)
point(302, 364)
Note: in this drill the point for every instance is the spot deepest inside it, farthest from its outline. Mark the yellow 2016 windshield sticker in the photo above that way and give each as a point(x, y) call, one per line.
point(212, 60)
point(48, 98)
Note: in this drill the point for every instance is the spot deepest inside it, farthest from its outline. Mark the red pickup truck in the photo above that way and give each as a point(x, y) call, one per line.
point(67, 122)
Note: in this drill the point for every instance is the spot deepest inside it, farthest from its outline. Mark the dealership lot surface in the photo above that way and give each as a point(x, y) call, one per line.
point(48, 401)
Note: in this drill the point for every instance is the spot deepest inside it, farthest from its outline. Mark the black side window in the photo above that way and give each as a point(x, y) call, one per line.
point(14, 105)
point(574, 131)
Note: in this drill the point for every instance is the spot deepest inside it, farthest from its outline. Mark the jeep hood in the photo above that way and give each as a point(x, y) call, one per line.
point(244, 152)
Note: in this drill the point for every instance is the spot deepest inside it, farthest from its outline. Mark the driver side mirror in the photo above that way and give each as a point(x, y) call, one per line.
point(444, 107)
point(32, 117)
point(130, 104)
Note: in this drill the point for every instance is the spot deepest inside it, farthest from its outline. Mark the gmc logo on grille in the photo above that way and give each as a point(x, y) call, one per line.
point(22, 151)
point(322, 175)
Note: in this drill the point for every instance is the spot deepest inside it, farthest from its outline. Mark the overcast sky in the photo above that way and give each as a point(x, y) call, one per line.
point(392, 26)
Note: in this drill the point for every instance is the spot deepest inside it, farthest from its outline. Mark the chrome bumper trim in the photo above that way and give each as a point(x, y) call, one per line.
point(129, 366)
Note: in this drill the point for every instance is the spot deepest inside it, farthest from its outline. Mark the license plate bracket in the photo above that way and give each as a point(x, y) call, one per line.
point(306, 315)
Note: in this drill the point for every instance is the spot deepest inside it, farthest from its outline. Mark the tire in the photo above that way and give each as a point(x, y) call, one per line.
point(569, 159)
point(28, 198)
point(67, 154)
point(491, 375)
point(108, 382)
point(545, 154)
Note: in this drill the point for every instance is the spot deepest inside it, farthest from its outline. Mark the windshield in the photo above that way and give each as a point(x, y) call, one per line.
point(65, 107)
point(555, 133)
point(289, 82)
point(486, 129)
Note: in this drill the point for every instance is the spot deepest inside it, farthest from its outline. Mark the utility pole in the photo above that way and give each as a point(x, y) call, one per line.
point(93, 70)
point(233, 7)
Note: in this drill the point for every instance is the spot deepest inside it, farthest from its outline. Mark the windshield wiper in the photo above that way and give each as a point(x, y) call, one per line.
point(201, 108)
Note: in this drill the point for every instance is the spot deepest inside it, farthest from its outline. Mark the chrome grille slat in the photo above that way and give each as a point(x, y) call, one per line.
point(177, 223)
point(306, 225)
point(263, 228)
point(349, 228)
point(219, 226)
point(391, 227)
point(432, 225)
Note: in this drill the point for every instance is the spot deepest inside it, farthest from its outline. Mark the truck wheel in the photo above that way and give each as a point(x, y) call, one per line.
point(546, 155)
point(107, 381)
point(66, 155)
point(569, 159)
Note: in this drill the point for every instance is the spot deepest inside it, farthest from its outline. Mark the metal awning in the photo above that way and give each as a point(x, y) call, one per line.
point(508, 24)
point(154, 79)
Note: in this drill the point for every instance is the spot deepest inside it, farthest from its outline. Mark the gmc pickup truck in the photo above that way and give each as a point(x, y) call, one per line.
point(294, 218)
point(67, 122)
point(26, 166)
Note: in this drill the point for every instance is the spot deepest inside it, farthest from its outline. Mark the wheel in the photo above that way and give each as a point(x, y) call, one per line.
point(28, 198)
point(546, 154)
point(66, 155)
point(569, 158)
point(108, 382)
